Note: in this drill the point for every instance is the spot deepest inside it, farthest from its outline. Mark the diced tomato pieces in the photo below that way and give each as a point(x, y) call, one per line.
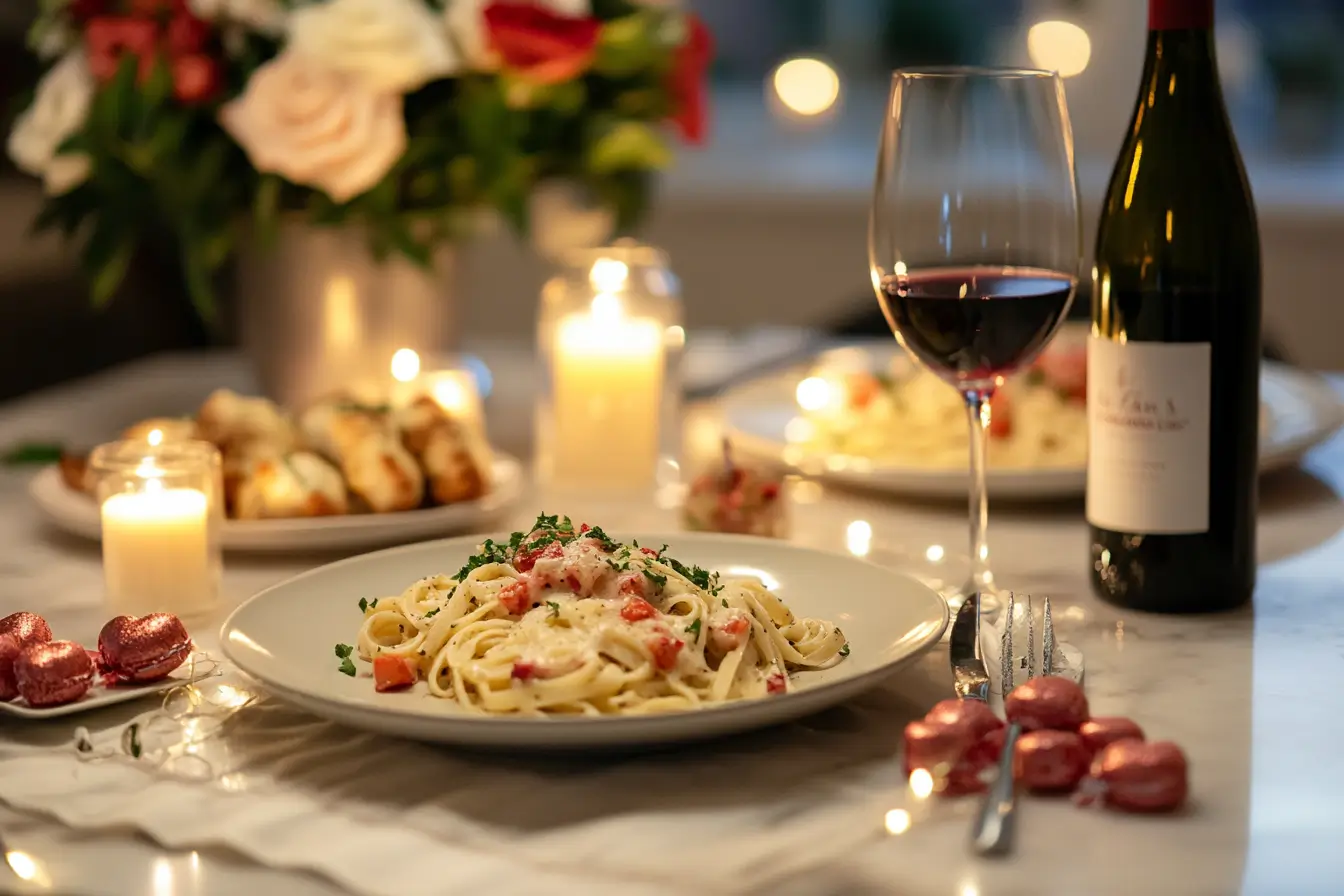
point(777, 683)
point(665, 649)
point(1000, 416)
point(527, 558)
point(524, 671)
point(731, 634)
point(632, 585)
point(391, 673)
point(637, 608)
point(770, 491)
point(514, 597)
point(650, 551)
point(574, 582)
point(584, 527)
point(861, 389)
point(1066, 370)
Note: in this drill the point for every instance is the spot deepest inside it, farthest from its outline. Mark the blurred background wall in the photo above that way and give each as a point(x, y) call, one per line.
point(767, 225)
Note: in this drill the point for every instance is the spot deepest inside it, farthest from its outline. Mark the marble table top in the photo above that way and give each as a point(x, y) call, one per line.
point(1248, 695)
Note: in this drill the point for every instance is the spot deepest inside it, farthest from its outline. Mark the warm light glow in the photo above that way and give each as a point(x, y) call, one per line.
point(935, 553)
point(26, 868)
point(231, 697)
point(675, 337)
point(405, 365)
point(608, 275)
point(921, 783)
point(898, 821)
point(606, 308)
point(859, 538)
point(806, 86)
point(450, 395)
point(799, 430)
point(1059, 46)
point(155, 437)
point(970, 888)
point(815, 393)
point(163, 878)
point(900, 270)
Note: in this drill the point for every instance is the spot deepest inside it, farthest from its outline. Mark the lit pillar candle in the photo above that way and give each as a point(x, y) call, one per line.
point(607, 397)
point(156, 551)
point(160, 517)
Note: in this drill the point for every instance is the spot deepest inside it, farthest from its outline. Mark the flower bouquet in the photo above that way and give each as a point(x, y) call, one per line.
point(202, 124)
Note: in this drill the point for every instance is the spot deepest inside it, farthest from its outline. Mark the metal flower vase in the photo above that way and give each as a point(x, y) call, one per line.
point(319, 314)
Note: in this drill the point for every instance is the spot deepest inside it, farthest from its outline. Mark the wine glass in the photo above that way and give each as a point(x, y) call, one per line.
point(974, 242)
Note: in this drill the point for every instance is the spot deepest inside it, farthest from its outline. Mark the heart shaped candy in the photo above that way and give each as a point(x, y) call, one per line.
point(144, 648)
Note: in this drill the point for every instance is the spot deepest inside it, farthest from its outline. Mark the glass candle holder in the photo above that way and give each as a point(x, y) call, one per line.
point(456, 384)
point(610, 339)
point(162, 508)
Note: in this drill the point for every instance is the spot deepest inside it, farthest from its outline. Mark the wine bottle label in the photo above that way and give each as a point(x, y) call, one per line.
point(1148, 436)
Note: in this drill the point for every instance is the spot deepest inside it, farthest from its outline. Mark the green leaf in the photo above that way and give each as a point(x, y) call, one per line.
point(626, 146)
point(625, 46)
point(200, 285)
point(400, 238)
point(27, 454)
point(107, 256)
point(266, 209)
point(156, 89)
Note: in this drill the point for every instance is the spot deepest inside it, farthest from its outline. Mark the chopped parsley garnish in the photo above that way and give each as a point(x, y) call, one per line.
point(363, 605)
point(555, 609)
point(844, 651)
point(433, 612)
point(491, 552)
point(623, 566)
point(725, 603)
point(694, 630)
point(656, 578)
point(602, 538)
point(347, 665)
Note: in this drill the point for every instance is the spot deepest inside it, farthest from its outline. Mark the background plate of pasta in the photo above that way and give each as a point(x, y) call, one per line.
point(565, 636)
point(865, 415)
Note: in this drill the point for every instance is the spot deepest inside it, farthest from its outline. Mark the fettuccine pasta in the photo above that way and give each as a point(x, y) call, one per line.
point(565, 621)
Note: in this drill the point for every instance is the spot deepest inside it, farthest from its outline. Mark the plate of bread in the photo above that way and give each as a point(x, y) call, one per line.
point(340, 474)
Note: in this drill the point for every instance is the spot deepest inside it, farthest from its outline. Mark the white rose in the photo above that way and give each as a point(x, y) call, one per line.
point(60, 108)
point(265, 16)
point(466, 24)
point(563, 220)
point(396, 45)
point(317, 127)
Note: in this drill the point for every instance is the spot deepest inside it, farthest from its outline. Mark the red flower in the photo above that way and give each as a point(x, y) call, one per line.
point(195, 78)
point(687, 82)
point(690, 98)
point(539, 45)
point(156, 7)
point(186, 34)
point(109, 38)
point(83, 10)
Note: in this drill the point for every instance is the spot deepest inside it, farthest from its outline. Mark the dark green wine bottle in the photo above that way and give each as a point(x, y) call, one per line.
point(1174, 358)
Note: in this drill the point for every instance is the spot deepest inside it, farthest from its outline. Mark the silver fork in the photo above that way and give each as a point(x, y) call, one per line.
point(992, 833)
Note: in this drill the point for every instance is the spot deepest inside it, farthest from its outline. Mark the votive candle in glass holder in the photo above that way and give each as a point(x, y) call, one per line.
point(162, 509)
point(610, 338)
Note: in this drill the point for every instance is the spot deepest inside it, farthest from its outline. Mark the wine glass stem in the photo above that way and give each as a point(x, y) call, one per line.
point(977, 412)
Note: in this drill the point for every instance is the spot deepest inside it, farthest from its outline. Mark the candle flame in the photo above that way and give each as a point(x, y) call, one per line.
point(155, 437)
point(606, 308)
point(608, 275)
point(405, 365)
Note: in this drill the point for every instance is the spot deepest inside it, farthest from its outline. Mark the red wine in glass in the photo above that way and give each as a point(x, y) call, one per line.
point(970, 325)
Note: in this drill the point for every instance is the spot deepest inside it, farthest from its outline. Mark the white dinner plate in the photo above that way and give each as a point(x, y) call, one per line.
point(1299, 410)
point(101, 695)
point(78, 514)
point(285, 637)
